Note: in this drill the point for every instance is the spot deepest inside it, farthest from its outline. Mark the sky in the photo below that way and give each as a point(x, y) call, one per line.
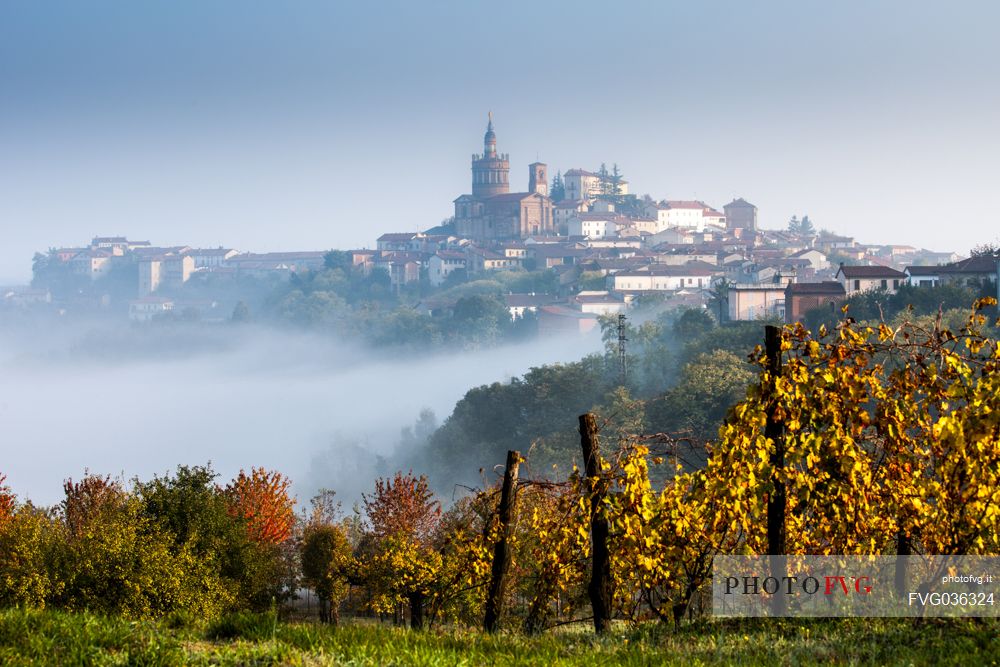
point(311, 125)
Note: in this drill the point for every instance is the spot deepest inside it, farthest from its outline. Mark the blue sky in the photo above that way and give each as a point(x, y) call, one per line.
point(305, 125)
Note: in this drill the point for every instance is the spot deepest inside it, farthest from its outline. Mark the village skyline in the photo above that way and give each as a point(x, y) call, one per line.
point(199, 125)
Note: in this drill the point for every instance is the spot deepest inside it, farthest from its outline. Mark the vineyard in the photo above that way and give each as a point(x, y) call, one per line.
point(855, 440)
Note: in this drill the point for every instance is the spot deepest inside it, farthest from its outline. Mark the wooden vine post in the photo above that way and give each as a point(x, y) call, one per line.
point(777, 499)
point(599, 588)
point(501, 550)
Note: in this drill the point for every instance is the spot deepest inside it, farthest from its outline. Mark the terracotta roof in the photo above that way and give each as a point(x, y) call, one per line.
point(739, 203)
point(667, 270)
point(511, 196)
point(453, 255)
point(980, 264)
point(402, 236)
point(825, 288)
point(924, 270)
point(851, 272)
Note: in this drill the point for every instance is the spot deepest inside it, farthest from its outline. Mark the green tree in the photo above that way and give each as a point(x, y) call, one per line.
point(115, 560)
point(326, 565)
point(693, 323)
point(195, 511)
point(29, 549)
point(697, 405)
point(557, 192)
point(718, 299)
point(339, 259)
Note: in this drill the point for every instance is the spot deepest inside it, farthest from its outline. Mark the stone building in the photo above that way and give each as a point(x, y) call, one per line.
point(741, 214)
point(492, 212)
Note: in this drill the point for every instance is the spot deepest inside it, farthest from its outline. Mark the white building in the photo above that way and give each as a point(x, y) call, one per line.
point(146, 308)
point(443, 263)
point(685, 214)
point(660, 278)
point(864, 278)
point(211, 258)
point(599, 302)
point(564, 210)
point(757, 301)
point(593, 225)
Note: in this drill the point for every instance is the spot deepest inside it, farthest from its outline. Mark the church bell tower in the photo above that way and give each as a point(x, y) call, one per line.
point(490, 171)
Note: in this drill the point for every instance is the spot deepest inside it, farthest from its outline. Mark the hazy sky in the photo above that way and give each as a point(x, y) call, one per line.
point(309, 125)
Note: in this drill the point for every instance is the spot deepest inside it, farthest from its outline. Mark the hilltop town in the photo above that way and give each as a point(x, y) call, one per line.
point(603, 248)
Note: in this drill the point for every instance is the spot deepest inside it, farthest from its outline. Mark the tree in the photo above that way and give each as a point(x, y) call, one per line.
point(403, 505)
point(693, 323)
point(339, 259)
point(113, 559)
point(403, 516)
point(262, 500)
point(794, 225)
point(195, 512)
point(718, 298)
point(616, 183)
point(806, 227)
point(30, 550)
point(557, 192)
point(326, 563)
point(986, 250)
point(697, 405)
point(8, 501)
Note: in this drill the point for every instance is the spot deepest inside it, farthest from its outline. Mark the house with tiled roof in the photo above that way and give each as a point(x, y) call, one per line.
point(802, 297)
point(923, 276)
point(682, 213)
point(864, 278)
point(662, 278)
point(445, 262)
point(973, 271)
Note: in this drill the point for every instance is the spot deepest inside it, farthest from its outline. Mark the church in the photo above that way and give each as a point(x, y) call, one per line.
point(492, 212)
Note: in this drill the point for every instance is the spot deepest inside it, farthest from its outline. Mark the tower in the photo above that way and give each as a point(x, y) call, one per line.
point(490, 171)
point(538, 179)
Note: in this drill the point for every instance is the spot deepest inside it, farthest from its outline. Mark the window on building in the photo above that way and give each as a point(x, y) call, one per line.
point(884, 284)
point(857, 284)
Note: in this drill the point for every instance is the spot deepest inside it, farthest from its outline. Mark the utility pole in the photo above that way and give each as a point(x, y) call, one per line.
point(622, 359)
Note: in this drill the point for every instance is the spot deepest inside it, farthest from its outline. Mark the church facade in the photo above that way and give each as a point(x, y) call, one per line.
point(492, 212)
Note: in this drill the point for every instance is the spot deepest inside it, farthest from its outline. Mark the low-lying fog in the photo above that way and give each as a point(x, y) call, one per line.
point(141, 401)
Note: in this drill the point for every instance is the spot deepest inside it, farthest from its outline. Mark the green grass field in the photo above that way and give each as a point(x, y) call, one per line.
point(58, 638)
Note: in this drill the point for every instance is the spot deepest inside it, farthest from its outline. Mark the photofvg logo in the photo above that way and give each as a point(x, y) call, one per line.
point(856, 586)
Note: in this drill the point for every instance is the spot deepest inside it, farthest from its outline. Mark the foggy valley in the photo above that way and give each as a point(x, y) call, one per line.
point(140, 401)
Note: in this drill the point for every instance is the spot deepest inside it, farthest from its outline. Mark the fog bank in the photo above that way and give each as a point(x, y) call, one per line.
point(139, 402)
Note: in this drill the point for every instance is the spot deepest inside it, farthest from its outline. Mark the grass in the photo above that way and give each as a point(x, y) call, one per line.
point(29, 637)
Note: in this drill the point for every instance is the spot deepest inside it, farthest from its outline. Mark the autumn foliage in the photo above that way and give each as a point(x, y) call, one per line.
point(262, 499)
point(403, 505)
point(7, 501)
